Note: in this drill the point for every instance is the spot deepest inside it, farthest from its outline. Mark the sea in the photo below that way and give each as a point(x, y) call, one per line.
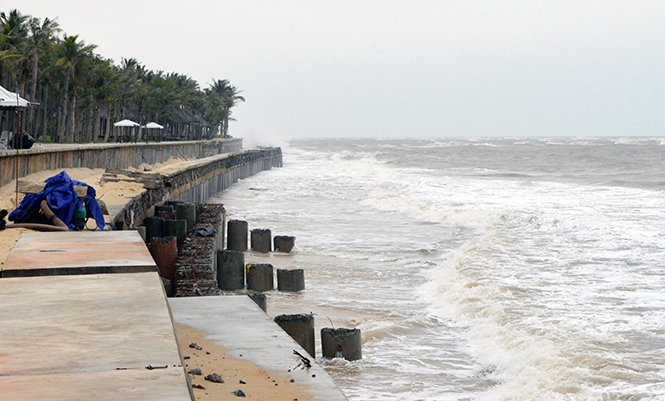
point(475, 268)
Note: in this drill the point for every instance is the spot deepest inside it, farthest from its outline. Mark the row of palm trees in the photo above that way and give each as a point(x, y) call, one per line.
point(79, 94)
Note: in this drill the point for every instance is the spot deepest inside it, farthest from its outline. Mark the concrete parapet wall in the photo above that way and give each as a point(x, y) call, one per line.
point(115, 156)
point(198, 183)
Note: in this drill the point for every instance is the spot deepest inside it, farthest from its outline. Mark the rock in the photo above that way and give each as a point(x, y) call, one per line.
point(103, 207)
point(198, 386)
point(242, 382)
point(239, 393)
point(215, 378)
point(195, 371)
point(195, 346)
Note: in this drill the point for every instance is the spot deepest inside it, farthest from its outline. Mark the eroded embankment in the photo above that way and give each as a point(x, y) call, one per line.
point(195, 182)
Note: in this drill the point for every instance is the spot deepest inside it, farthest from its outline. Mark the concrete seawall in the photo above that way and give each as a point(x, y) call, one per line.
point(115, 156)
point(197, 182)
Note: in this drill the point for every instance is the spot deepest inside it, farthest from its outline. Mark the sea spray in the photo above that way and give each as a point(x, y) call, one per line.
point(484, 269)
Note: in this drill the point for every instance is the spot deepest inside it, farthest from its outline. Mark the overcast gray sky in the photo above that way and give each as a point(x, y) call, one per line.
point(399, 68)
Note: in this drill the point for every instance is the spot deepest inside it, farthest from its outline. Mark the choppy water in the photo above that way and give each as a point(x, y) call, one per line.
point(477, 269)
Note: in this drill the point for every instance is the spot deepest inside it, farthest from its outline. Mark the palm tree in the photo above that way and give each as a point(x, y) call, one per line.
point(41, 38)
point(41, 34)
point(225, 96)
point(15, 28)
point(72, 52)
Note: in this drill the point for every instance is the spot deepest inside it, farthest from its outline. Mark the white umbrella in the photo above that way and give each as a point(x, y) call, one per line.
point(153, 126)
point(126, 123)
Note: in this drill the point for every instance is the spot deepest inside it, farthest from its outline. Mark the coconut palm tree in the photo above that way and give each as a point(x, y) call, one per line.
point(41, 39)
point(15, 27)
point(225, 96)
point(72, 52)
point(41, 33)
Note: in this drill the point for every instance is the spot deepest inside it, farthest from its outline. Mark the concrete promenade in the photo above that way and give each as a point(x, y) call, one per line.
point(87, 336)
point(85, 252)
point(236, 323)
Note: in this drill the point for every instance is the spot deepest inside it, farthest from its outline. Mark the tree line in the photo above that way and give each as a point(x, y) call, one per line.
point(79, 94)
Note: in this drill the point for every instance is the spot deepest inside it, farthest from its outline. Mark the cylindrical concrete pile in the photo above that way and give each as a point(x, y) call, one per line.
point(187, 211)
point(166, 212)
point(142, 232)
point(260, 277)
point(260, 299)
point(154, 227)
point(300, 328)
point(290, 280)
point(164, 251)
point(236, 235)
point(284, 243)
point(230, 270)
point(176, 228)
point(341, 343)
point(261, 240)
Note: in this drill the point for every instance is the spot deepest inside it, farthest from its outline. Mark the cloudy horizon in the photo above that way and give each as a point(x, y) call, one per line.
point(397, 68)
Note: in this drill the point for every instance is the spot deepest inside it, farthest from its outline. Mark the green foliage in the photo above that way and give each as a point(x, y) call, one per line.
point(78, 90)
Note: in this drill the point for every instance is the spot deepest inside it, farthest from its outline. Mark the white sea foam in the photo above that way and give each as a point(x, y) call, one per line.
point(504, 277)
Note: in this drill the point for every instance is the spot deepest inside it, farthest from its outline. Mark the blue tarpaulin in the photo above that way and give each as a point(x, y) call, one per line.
point(62, 199)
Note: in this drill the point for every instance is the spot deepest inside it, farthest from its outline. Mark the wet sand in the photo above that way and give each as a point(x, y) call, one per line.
point(258, 384)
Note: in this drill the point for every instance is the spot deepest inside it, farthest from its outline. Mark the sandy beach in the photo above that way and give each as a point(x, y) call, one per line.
point(237, 374)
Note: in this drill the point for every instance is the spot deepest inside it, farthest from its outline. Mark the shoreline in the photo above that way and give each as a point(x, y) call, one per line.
point(237, 374)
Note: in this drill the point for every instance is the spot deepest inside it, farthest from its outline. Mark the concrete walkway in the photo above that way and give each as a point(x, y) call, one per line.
point(78, 252)
point(70, 333)
point(239, 325)
point(88, 337)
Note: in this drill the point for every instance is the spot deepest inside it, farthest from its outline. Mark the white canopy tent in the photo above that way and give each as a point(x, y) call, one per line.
point(8, 129)
point(153, 126)
point(127, 126)
point(10, 99)
point(126, 123)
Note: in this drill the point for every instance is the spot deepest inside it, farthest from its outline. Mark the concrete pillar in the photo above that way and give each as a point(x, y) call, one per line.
point(230, 270)
point(284, 243)
point(341, 343)
point(154, 227)
point(187, 211)
point(261, 240)
point(260, 277)
point(290, 280)
point(176, 228)
point(260, 299)
point(237, 235)
point(166, 212)
point(164, 251)
point(300, 328)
